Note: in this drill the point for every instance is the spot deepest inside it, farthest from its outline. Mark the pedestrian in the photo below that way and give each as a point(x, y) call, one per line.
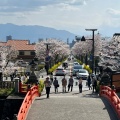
point(47, 86)
point(94, 84)
point(23, 78)
point(89, 82)
point(64, 83)
point(11, 77)
point(80, 85)
point(70, 85)
point(56, 85)
point(51, 77)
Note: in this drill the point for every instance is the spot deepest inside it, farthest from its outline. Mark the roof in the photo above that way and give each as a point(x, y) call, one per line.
point(20, 44)
point(116, 34)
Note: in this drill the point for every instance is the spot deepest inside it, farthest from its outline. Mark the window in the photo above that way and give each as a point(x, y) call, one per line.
point(21, 53)
point(32, 53)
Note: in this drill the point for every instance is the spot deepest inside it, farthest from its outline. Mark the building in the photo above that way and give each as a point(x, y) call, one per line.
point(26, 51)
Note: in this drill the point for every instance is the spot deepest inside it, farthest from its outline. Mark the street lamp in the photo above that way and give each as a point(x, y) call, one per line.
point(93, 60)
point(83, 39)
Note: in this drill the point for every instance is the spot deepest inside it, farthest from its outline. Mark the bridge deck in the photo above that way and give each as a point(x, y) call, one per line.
point(71, 106)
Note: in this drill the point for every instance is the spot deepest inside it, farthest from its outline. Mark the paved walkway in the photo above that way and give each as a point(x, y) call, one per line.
point(71, 106)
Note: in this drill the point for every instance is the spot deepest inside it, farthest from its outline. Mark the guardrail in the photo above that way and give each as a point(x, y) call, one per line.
point(30, 96)
point(111, 95)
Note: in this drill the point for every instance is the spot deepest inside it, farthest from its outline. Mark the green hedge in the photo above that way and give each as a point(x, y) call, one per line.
point(41, 85)
point(85, 66)
point(40, 66)
point(6, 92)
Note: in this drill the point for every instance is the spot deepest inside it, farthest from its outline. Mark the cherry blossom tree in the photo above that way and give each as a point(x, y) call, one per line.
point(83, 48)
point(111, 52)
point(58, 50)
point(7, 53)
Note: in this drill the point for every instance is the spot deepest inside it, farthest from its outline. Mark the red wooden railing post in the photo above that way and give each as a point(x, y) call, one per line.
point(113, 91)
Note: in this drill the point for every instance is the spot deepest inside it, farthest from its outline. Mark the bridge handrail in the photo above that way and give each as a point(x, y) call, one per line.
point(31, 94)
point(111, 95)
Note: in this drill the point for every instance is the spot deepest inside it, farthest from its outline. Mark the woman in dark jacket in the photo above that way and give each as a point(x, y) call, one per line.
point(89, 82)
point(56, 85)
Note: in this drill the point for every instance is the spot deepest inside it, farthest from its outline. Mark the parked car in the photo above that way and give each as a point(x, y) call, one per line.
point(76, 68)
point(65, 64)
point(83, 74)
point(76, 63)
point(60, 71)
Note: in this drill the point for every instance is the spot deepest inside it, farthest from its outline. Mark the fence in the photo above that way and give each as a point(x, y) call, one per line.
point(111, 95)
point(7, 84)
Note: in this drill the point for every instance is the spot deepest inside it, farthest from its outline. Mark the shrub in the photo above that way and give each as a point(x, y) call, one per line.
point(41, 85)
point(6, 92)
point(53, 68)
point(79, 62)
point(40, 66)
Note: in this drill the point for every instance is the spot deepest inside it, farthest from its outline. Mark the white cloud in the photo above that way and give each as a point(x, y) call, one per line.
point(34, 5)
point(70, 15)
point(112, 17)
point(113, 12)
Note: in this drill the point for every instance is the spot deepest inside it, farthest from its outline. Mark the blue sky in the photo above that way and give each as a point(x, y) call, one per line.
point(71, 15)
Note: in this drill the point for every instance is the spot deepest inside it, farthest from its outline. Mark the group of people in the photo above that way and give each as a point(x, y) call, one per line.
point(50, 81)
point(92, 82)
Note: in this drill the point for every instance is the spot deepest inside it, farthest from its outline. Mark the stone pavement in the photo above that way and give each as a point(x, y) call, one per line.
point(71, 106)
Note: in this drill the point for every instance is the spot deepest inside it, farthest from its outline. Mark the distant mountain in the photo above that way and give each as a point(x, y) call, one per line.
point(33, 32)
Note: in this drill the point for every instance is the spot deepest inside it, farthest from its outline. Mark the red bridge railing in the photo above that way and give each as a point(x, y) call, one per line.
point(23, 88)
point(30, 96)
point(111, 95)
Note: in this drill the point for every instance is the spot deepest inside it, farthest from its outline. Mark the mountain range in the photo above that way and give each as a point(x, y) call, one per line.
point(33, 33)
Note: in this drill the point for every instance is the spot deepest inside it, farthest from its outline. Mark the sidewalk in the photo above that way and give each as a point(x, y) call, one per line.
point(71, 106)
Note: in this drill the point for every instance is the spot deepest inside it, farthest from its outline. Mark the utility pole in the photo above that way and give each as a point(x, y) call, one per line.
point(83, 39)
point(93, 59)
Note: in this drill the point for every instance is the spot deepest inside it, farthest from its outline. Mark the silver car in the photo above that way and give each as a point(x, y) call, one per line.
point(60, 71)
point(83, 74)
point(76, 68)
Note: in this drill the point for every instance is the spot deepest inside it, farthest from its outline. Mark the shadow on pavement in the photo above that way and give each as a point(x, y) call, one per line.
point(59, 92)
point(109, 108)
point(41, 98)
point(91, 95)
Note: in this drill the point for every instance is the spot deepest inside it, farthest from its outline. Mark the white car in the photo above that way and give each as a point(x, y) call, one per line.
point(83, 74)
point(60, 71)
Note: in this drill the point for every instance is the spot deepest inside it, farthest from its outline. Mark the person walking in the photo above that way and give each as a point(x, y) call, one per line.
point(56, 85)
point(89, 82)
point(80, 85)
point(94, 84)
point(64, 83)
point(47, 86)
point(70, 85)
